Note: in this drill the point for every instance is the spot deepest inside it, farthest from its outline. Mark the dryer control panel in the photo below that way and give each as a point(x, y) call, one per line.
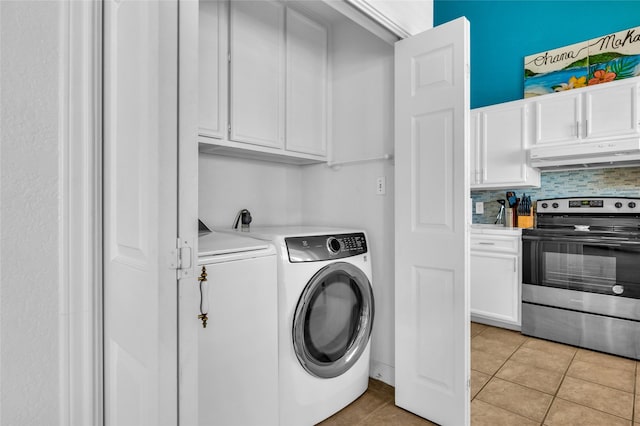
point(316, 248)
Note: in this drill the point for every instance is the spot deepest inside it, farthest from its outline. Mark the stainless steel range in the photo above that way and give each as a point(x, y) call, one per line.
point(581, 274)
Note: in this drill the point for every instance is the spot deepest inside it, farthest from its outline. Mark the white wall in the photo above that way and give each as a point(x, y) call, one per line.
point(30, 296)
point(362, 121)
point(270, 191)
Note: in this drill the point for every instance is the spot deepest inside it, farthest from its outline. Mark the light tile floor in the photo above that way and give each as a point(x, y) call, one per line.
point(518, 380)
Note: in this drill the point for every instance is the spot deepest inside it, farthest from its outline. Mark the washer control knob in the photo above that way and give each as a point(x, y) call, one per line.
point(555, 205)
point(618, 204)
point(545, 205)
point(333, 245)
point(617, 289)
point(632, 205)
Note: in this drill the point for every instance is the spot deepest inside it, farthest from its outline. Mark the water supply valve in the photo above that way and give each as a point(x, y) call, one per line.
point(244, 219)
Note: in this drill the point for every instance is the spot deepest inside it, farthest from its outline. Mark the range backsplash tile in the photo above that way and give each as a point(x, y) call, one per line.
point(622, 181)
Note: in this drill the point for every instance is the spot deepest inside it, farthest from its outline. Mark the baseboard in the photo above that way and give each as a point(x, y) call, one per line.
point(495, 323)
point(383, 372)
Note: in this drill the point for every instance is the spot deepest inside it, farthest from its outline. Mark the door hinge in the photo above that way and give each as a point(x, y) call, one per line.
point(182, 259)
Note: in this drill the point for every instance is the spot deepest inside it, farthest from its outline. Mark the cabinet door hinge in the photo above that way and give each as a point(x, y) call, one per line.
point(182, 259)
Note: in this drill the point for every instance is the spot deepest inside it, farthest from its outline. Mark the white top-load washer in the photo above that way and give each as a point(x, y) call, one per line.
point(238, 348)
point(326, 309)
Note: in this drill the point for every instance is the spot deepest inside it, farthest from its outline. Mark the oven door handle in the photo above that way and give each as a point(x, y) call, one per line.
point(582, 240)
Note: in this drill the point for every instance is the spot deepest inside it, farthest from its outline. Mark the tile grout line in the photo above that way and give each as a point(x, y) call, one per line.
point(363, 420)
point(555, 395)
point(496, 372)
point(635, 396)
point(564, 376)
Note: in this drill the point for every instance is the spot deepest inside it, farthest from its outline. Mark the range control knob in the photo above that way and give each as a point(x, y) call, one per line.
point(555, 205)
point(618, 204)
point(632, 205)
point(545, 205)
point(333, 245)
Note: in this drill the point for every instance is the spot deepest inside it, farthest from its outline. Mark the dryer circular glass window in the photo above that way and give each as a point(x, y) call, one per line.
point(333, 319)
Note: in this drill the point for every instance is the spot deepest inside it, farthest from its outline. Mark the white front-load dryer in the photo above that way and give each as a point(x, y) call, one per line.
point(325, 317)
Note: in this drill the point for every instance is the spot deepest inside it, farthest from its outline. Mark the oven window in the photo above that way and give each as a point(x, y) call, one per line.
point(606, 268)
point(586, 271)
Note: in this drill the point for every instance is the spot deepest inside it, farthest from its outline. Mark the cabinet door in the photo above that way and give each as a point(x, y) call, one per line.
point(306, 100)
point(495, 286)
point(504, 155)
point(475, 169)
point(611, 112)
point(213, 78)
point(257, 72)
point(558, 118)
point(238, 350)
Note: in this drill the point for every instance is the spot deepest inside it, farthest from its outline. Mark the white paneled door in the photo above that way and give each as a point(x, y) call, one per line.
point(432, 237)
point(140, 211)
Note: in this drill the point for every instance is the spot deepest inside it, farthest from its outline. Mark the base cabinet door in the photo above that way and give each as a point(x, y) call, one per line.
point(238, 349)
point(495, 288)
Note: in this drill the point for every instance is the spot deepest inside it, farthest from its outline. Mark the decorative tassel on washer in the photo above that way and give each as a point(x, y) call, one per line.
point(204, 297)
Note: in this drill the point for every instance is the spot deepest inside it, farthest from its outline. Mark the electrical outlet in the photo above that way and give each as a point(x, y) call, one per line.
point(381, 185)
point(479, 207)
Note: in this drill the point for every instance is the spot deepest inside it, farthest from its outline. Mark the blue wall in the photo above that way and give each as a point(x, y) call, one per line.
point(504, 32)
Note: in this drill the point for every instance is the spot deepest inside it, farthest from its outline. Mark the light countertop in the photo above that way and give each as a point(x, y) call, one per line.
point(485, 228)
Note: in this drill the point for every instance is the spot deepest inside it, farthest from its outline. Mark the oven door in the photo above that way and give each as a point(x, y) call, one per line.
point(584, 263)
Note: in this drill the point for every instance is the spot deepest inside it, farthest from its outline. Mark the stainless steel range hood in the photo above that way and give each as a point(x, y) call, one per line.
point(619, 153)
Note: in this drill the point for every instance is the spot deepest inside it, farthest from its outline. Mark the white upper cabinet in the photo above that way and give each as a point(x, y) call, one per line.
point(607, 111)
point(263, 81)
point(257, 72)
point(213, 75)
point(306, 100)
point(500, 136)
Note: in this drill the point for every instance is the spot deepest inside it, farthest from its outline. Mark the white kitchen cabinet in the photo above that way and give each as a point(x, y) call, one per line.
point(602, 112)
point(264, 81)
point(495, 285)
point(306, 94)
point(235, 385)
point(213, 71)
point(257, 72)
point(500, 136)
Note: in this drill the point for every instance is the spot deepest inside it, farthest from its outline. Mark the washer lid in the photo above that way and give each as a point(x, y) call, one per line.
point(218, 243)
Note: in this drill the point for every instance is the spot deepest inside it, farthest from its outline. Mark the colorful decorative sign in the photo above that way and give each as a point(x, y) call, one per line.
point(600, 60)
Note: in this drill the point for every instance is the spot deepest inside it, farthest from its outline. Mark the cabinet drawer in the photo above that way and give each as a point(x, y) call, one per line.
point(495, 243)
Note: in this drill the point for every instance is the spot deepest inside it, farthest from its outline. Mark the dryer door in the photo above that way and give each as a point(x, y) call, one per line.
point(333, 320)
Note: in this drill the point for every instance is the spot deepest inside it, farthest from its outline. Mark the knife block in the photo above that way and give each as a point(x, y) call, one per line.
point(525, 221)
